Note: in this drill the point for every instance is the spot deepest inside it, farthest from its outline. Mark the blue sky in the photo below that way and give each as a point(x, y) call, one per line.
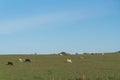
point(52, 26)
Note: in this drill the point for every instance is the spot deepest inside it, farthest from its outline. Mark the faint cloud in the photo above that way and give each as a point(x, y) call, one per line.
point(34, 21)
point(15, 25)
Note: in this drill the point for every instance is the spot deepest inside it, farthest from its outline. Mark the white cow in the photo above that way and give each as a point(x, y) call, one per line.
point(21, 60)
point(69, 61)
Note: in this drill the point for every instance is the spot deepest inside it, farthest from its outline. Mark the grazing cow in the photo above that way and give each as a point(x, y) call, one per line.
point(21, 60)
point(10, 63)
point(69, 61)
point(27, 60)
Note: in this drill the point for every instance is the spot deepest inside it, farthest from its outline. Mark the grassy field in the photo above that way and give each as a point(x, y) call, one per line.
point(54, 67)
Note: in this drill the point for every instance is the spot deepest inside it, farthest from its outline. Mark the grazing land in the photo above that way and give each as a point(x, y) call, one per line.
point(54, 67)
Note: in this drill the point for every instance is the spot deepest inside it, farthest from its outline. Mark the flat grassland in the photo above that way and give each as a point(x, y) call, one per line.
point(54, 67)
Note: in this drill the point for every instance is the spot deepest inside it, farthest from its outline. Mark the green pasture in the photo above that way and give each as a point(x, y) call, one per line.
point(54, 67)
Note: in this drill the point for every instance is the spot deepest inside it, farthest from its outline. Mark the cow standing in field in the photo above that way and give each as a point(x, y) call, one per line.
point(27, 60)
point(20, 59)
point(69, 61)
point(10, 63)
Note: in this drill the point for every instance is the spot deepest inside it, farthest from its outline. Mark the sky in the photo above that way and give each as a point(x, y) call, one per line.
point(53, 26)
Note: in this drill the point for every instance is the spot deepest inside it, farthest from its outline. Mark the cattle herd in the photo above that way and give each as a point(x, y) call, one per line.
point(28, 61)
point(68, 60)
point(20, 59)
